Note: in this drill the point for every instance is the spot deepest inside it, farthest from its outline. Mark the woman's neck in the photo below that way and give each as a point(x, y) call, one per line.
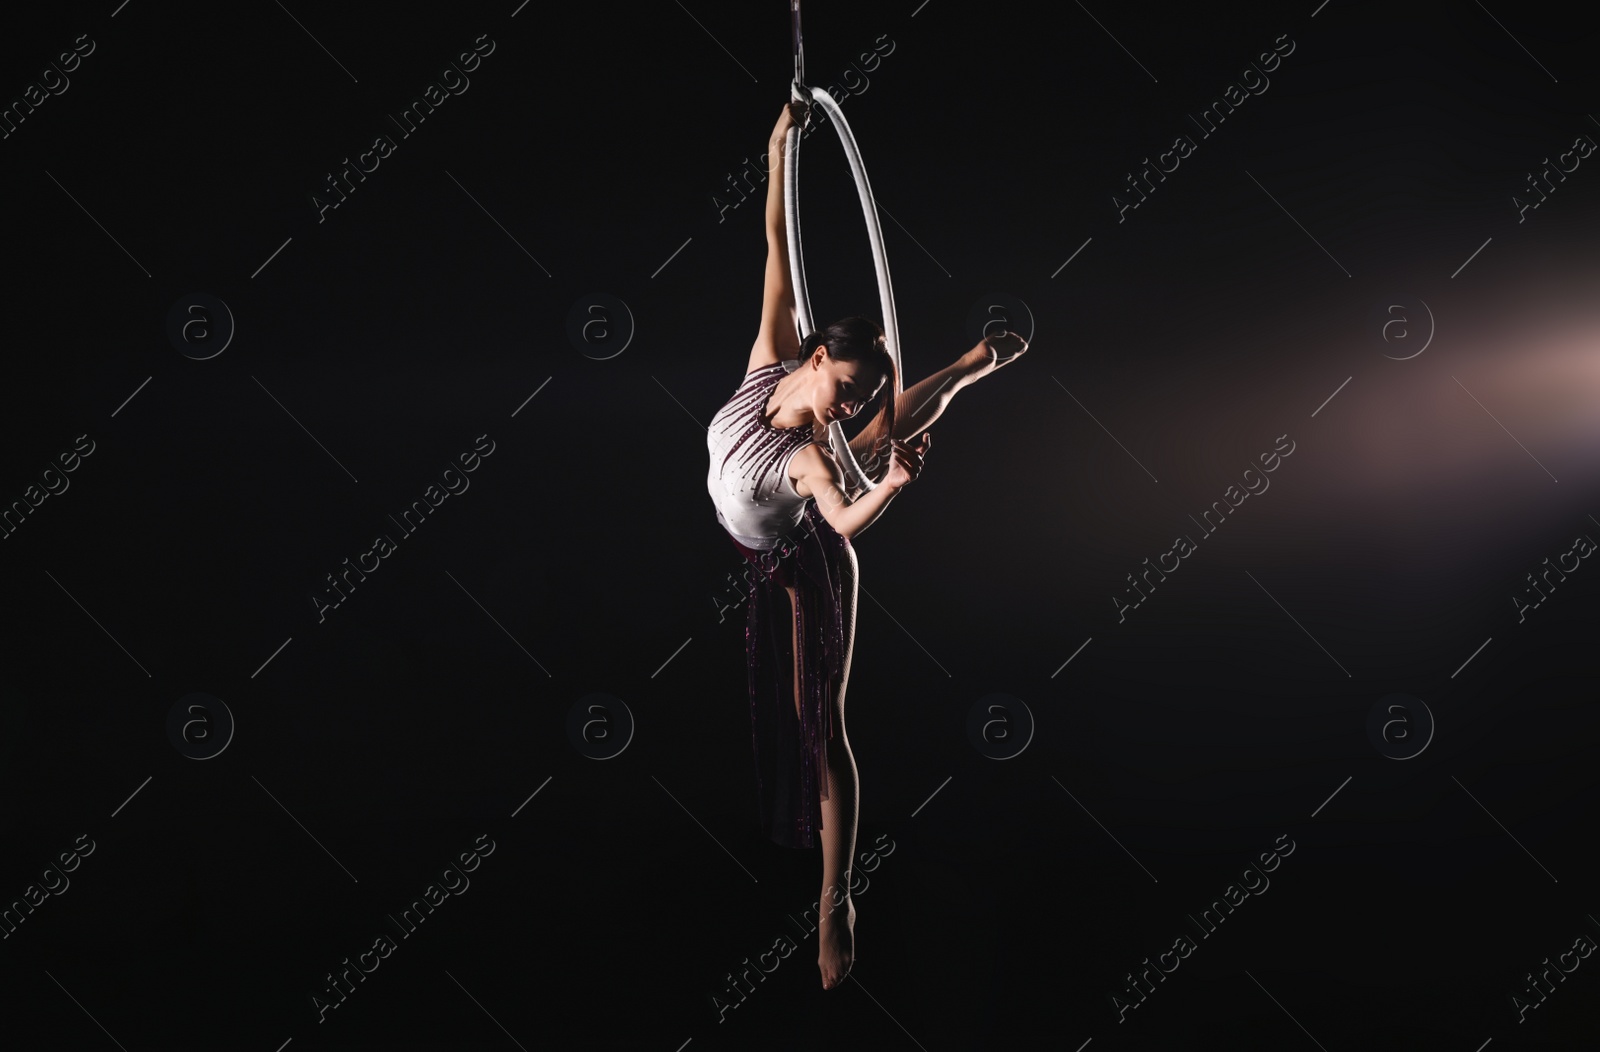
point(783, 395)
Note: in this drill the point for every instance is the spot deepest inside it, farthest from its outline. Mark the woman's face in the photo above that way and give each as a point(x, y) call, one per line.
point(842, 388)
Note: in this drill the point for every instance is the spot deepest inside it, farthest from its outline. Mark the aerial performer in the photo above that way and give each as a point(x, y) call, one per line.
point(793, 493)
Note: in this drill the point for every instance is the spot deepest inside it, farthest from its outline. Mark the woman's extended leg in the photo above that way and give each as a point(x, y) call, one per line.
point(840, 811)
point(925, 401)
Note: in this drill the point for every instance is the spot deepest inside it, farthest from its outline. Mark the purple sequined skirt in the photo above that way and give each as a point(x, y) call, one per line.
point(791, 770)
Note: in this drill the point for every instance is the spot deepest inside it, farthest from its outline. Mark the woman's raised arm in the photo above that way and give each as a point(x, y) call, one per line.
point(794, 113)
point(778, 338)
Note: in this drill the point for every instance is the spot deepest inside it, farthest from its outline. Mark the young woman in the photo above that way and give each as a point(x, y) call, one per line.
point(783, 498)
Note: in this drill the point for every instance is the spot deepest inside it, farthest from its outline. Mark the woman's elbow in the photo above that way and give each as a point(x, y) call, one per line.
point(843, 525)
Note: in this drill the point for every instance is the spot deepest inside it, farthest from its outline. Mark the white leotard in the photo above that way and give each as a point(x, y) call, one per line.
point(749, 478)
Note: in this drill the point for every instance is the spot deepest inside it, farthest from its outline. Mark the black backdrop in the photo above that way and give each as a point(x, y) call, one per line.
point(1343, 267)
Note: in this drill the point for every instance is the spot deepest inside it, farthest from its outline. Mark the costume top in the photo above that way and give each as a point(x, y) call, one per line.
point(749, 478)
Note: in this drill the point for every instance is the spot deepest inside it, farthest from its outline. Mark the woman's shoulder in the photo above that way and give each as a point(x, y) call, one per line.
point(787, 365)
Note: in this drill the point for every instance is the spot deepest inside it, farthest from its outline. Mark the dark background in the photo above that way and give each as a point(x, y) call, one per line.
point(374, 746)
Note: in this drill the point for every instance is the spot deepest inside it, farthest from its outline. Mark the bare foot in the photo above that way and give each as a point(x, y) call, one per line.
point(836, 944)
point(1007, 347)
point(991, 353)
